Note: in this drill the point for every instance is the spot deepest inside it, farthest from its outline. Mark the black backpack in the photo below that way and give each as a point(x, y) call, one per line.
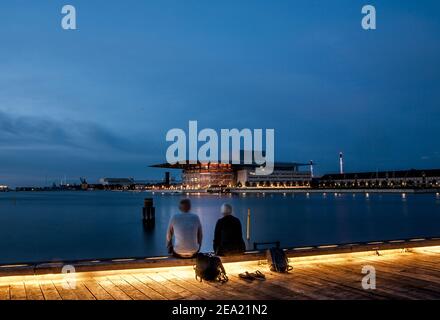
point(278, 261)
point(209, 268)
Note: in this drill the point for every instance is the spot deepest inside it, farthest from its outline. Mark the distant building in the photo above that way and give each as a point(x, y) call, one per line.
point(123, 182)
point(382, 179)
point(211, 175)
point(4, 188)
point(284, 174)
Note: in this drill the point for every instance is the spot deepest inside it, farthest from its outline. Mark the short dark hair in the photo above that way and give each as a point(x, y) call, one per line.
point(186, 202)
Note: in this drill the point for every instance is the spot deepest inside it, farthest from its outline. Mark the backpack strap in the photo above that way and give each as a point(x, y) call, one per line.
point(197, 277)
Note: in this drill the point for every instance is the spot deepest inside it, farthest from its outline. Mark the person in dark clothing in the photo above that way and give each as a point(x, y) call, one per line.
point(228, 237)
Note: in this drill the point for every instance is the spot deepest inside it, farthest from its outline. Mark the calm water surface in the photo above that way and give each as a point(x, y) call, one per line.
point(88, 225)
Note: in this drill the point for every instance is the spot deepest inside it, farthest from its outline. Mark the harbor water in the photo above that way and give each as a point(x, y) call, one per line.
point(49, 226)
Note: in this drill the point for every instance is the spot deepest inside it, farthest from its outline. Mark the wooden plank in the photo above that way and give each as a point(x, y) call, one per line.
point(113, 290)
point(241, 293)
point(412, 268)
point(393, 279)
point(49, 290)
point(421, 271)
point(146, 290)
point(247, 290)
point(65, 291)
point(4, 293)
point(17, 291)
point(347, 284)
point(96, 290)
point(127, 288)
point(179, 286)
point(429, 250)
point(342, 285)
point(424, 284)
point(33, 290)
point(157, 286)
point(187, 279)
point(304, 284)
point(256, 290)
point(289, 281)
point(228, 291)
point(386, 288)
point(316, 283)
point(425, 261)
point(273, 291)
point(81, 291)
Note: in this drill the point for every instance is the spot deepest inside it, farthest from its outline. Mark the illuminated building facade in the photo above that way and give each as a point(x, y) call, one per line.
point(206, 175)
point(284, 175)
point(212, 175)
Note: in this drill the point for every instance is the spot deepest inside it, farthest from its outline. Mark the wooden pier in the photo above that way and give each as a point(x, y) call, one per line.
point(412, 273)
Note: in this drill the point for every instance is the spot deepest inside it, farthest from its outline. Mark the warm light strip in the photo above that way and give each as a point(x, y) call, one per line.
point(123, 260)
point(304, 248)
point(14, 266)
point(309, 259)
point(256, 252)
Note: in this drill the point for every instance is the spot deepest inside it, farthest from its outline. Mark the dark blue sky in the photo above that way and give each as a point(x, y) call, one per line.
point(98, 101)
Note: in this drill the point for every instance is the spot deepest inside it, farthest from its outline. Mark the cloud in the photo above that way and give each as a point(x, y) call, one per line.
point(38, 134)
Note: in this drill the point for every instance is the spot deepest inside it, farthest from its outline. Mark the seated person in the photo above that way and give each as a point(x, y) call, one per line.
point(184, 236)
point(228, 237)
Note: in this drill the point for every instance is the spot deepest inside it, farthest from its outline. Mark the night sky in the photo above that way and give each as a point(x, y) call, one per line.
point(99, 101)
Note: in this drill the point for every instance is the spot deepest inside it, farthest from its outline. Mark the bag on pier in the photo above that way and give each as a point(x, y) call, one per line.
point(209, 268)
point(278, 261)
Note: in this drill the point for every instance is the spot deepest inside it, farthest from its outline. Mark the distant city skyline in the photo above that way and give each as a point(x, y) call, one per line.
point(98, 101)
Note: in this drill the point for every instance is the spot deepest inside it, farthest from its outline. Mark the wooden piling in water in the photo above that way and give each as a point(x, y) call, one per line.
point(248, 227)
point(149, 212)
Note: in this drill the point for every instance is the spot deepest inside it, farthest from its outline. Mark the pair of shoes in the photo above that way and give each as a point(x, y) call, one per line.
point(257, 275)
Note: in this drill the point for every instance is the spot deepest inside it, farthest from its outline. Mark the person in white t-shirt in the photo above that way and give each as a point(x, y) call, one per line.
point(184, 235)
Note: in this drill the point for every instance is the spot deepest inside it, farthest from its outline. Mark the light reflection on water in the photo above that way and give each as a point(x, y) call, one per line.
point(95, 225)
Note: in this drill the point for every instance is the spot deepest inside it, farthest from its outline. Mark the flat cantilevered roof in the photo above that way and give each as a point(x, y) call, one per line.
point(187, 165)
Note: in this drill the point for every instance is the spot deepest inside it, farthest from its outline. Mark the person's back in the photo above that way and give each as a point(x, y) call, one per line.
point(228, 238)
point(186, 230)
